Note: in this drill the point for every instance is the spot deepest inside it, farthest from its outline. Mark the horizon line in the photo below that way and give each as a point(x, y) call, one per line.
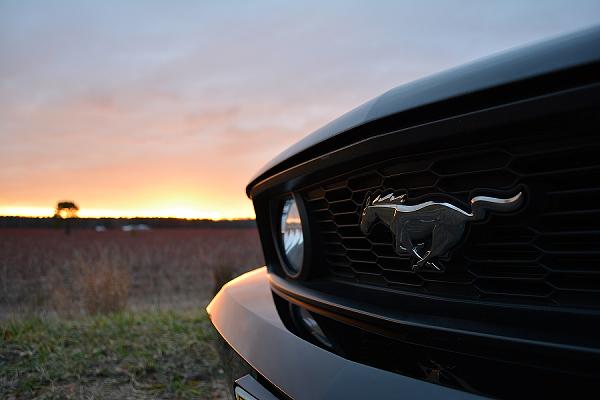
point(171, 212)
point(139, 217)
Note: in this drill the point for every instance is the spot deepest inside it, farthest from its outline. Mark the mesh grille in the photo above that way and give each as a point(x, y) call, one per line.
point(549, 254)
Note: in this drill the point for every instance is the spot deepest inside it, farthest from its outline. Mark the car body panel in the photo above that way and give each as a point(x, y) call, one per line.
point(381, 334)
point(244, 314)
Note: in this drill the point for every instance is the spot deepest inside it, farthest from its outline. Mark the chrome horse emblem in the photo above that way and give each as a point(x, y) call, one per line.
point(429, 229)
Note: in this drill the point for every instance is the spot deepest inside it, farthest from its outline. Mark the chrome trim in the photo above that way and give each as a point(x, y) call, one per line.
point(441, 224)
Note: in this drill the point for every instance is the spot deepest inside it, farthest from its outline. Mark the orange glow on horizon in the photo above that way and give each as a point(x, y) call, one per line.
point(173, 212)
point(150, 198)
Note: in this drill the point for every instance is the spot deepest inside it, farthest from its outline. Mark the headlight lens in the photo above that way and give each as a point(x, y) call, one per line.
point(292, 239)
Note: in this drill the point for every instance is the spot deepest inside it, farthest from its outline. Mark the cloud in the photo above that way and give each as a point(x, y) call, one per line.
point(132, 105)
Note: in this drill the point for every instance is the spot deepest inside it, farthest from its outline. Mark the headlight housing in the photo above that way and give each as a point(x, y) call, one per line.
point(291, 237)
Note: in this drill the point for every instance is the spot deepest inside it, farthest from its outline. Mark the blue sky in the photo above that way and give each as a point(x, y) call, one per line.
point(168, 108)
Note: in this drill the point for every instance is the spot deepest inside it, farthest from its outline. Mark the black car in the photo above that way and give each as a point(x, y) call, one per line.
point(441, 240)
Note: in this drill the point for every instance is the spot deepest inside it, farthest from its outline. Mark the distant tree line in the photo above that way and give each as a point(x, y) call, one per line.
point(118, 223)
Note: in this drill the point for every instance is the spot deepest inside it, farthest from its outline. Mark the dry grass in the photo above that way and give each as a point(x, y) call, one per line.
point(104, 288)
point(90, 272)
point(114, 314)
point(221, 274)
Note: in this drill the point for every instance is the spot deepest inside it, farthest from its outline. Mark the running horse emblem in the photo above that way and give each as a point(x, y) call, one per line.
point(429, 229)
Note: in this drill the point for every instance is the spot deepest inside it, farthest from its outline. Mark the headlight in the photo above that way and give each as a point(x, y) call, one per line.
point(292, 239)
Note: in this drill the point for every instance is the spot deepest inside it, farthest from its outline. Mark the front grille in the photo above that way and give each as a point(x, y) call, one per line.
point(548, 254)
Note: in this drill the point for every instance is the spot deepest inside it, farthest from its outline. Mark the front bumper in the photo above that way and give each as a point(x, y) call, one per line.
point(244, 313)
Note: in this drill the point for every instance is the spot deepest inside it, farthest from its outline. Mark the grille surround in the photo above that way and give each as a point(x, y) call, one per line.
point(521, 259)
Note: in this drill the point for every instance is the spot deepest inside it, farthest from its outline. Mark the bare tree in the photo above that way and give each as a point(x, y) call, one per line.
point(66, 210)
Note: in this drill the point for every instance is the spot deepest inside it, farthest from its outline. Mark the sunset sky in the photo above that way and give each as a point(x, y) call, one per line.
point(168, 108)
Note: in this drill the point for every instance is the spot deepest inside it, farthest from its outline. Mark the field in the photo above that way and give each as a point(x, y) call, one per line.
point(114, 314)
point(89, 272)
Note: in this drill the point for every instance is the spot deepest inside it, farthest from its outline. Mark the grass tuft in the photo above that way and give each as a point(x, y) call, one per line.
point(221, 274)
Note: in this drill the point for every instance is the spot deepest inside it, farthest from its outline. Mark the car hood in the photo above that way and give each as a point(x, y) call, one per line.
point(564, 52)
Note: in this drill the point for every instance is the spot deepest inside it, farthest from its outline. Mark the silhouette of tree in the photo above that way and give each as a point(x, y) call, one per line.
point(65, 211)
